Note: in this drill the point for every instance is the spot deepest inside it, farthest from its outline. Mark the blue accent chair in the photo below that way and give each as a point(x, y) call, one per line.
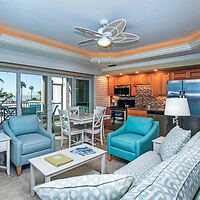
point(28, 139)
point(133, 138)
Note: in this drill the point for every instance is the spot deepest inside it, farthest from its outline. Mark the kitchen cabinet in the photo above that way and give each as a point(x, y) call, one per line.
point(122, 80)
point(140, 79)
point(138, 113)
point(111, 85)
point(133, 90)
point(192, 73)
point(159, 84)
point(180, 75)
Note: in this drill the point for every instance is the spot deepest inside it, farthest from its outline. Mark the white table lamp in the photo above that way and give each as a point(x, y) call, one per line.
point(177, 107)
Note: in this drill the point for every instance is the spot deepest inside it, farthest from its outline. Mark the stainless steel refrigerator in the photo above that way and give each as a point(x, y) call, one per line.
point(191, 90)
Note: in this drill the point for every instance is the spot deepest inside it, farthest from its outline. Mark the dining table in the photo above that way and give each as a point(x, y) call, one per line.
point(84, 118)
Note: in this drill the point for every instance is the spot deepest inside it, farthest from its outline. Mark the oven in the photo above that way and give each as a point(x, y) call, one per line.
point(117, 117)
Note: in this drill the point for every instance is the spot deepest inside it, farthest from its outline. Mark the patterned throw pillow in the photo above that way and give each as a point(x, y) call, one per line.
point(141, 166)
point(90, 187)
point(173, 142)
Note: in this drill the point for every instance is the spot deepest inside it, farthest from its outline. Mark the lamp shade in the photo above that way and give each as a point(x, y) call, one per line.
point(177, 107)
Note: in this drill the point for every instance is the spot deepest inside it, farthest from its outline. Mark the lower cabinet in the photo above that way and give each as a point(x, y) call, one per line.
point(137, 113)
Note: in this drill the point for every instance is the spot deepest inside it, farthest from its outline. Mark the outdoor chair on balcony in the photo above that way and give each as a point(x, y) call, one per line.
point(28, 139)
point(133, 138)
point(29, 111)
point(67, 130)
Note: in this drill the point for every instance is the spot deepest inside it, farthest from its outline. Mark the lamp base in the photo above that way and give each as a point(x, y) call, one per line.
point(175, 120)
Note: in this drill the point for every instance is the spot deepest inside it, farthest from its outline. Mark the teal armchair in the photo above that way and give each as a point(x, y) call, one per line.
point(133, 138)
point(28, 139)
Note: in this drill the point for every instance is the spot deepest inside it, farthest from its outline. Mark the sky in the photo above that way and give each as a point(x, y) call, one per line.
point(9, 84)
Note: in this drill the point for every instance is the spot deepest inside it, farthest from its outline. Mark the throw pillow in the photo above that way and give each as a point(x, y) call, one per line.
point(141, 166)
point(108, 186)
point(173, 142)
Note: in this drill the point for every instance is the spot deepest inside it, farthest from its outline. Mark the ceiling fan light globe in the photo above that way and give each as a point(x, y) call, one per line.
point(104, 42)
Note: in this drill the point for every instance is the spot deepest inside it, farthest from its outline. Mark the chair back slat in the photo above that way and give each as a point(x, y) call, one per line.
point(74, 110)
point(64, 120)
point(97, 119)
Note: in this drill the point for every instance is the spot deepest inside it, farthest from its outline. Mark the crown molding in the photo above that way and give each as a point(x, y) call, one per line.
point(41, 47)
point(151, 65)
point(109, 59)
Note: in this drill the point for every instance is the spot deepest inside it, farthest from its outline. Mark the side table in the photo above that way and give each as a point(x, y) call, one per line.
point(157, 142)
point(5, 147)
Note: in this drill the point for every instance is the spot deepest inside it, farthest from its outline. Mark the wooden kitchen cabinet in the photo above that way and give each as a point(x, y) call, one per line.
point(133, 90)
point(122, 80)
point(140, 79)
point(111, 85)
point(159, 84)
point(192, 73)
point(137, 113)
point(180, 75)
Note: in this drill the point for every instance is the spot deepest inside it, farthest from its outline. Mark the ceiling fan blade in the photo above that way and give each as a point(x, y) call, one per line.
point(125, 38)
point(116, 27)
point(88, 31)
point(86, 41)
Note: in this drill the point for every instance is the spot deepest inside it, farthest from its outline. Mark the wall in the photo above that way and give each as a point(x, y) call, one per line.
point(143, 97)
point(101, 97)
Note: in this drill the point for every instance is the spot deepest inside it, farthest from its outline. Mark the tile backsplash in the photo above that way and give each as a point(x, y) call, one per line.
point(143, 97)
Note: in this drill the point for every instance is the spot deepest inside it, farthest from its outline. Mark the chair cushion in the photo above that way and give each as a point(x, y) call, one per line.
point(174, 142)
point(23, 124)
point(139, 125)
point(107, 186)
point(34, 142)
point(125, 141)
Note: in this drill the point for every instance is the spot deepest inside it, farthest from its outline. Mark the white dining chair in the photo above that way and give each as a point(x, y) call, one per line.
point(103, 108)
point(96, 127)
point(67, 130)
point(74, 110)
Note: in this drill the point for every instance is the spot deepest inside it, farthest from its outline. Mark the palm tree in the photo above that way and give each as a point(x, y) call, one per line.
point(39, 92)
point(31, 88)
point(22, 85)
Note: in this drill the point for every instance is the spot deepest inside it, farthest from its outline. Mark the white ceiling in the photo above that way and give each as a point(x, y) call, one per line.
point(153, 20)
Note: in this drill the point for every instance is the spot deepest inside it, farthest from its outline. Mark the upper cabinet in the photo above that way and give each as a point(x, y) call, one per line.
point(140, 79)
point(193, 73)
point(122, 80)
point(159, 84)
point(111, 85)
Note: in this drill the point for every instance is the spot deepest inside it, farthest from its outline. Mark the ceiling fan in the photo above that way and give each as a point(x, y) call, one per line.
point(108, 33)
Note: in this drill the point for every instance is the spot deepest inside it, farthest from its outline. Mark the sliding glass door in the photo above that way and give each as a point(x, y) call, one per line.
point(82, 95)
point(61, 99)
point(8, 106)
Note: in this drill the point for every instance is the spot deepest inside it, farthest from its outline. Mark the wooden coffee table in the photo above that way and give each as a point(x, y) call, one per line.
point(49, 170)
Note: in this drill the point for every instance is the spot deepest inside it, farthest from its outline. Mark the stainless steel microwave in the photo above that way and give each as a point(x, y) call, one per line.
point(124, 90)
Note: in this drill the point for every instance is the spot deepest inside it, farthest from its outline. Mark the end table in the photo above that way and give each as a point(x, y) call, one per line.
point(157, 142)
point(5, 147)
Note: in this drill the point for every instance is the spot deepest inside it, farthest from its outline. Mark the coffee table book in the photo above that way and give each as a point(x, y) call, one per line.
point(58, 159)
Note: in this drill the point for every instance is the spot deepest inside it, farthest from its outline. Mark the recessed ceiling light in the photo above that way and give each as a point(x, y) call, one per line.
point(137, 72)
point(155, 70)
point(120, 74)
